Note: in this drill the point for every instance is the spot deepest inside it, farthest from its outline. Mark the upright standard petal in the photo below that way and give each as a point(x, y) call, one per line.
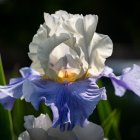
point(76, 32)
point(129, 80)
point(82, 28)
point(42, 57)
point(100, 48)
point(71, 103)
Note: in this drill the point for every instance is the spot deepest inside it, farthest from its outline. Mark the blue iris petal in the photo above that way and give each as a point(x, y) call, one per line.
point(71, 103)
point(26, 72)
point(7, 101)
point(129, 80)
point(10, 92)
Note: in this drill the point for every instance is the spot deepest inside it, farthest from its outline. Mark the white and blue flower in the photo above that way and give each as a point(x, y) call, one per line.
point(68, 57)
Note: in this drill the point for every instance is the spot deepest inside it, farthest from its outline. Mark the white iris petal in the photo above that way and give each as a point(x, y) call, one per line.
point(100, 48)
point(71, 39)
point(40, 129)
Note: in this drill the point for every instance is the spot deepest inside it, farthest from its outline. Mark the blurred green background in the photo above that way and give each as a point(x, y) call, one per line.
point(20, 19)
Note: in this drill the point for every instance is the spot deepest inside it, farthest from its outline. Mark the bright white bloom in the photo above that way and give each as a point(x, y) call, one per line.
point(66, 47)
point(40, 129)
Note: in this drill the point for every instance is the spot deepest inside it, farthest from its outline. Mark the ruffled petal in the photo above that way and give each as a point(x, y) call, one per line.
point(6, 101)
point(43, 121)
point(24, 136)
point(101, 47)
point(71, 103)
point(129, 80)
point(76, 32)
point(38, 134)
point(52, 23)
point(90, 24)
point(26, 72)
point(61, 14)
point(63, 53)
point(37, 127)
point(92, 130)
point(40, 129)
point(37, 90)
point(63, 57)
point(59, 135)
point(13, 91)
point(9, 93)
point(44, 52)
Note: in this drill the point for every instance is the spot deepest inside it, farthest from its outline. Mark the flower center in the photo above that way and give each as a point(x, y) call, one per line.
point(67, 75)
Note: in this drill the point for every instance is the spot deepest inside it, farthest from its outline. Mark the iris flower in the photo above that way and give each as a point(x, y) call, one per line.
point(40, 128)
point(68, 58)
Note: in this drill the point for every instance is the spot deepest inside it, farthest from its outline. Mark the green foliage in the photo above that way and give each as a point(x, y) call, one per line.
point(109, 119)
point(6, 126)
point(44, 109)
point(2, 76)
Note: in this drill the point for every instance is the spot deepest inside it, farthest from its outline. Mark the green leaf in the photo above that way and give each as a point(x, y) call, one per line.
point(6, 126)
point(109, 119)
point(104, 109)
point(111, 125)
point(45, 110)
point(21, 109)
point(18, 117)
point(2, 76)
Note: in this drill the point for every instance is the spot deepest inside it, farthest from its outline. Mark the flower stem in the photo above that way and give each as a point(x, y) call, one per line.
point(6, 125)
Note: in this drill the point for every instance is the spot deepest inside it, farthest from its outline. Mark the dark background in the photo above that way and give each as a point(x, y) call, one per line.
point(20, 19)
